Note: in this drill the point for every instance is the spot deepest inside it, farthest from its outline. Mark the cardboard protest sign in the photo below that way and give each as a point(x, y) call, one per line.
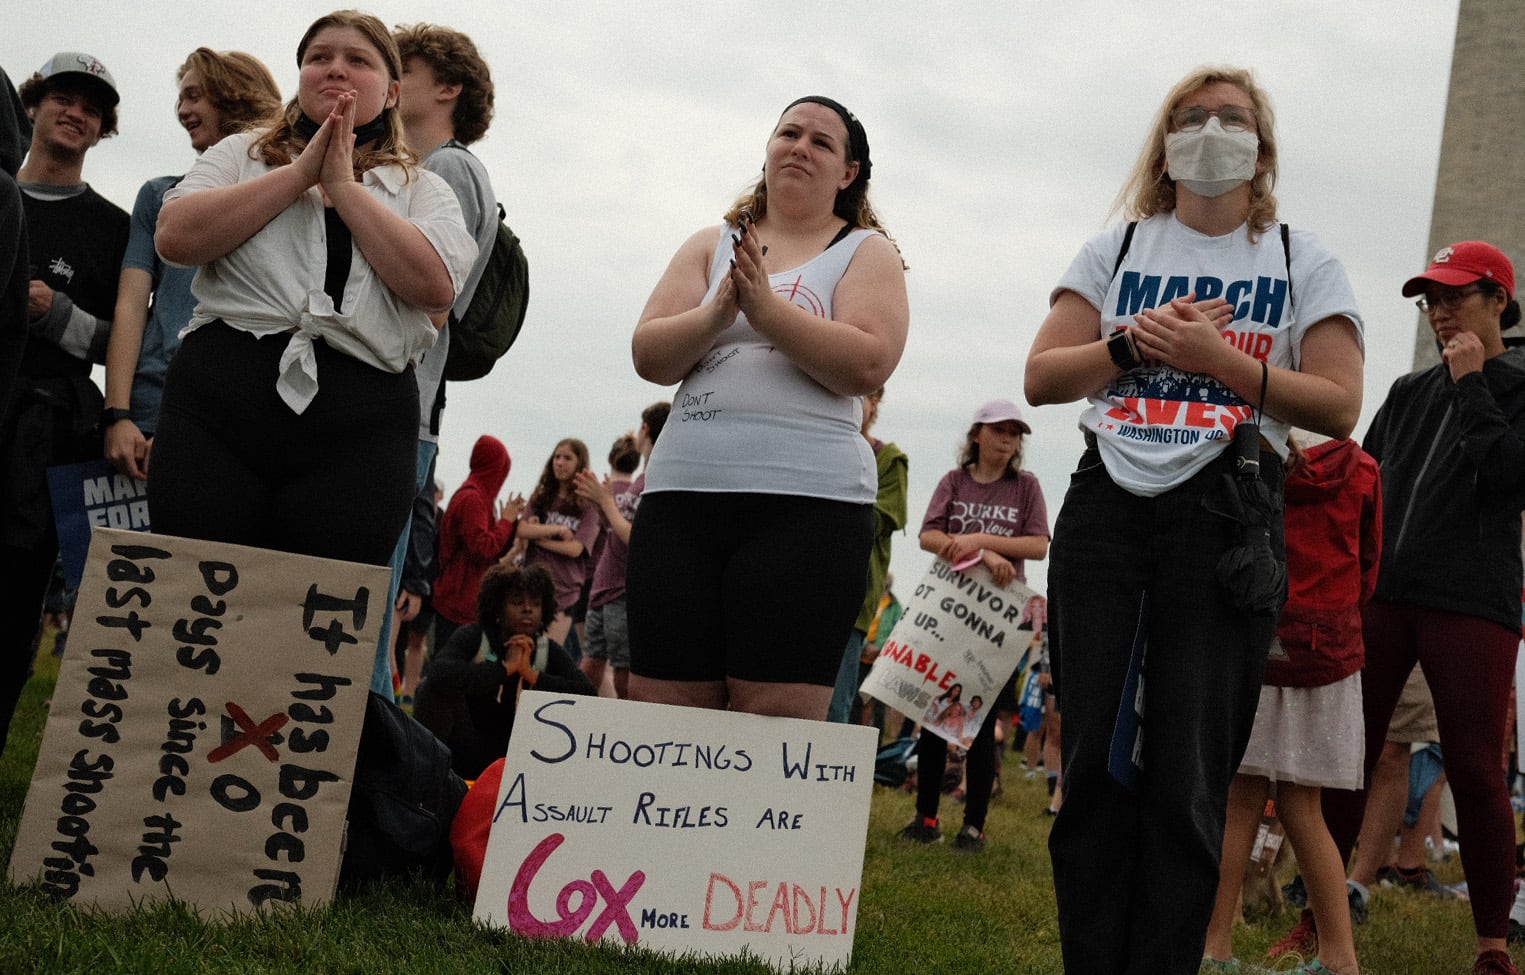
point(92, 495)
point(680, 829)
point(958, 640)
point(202, 736)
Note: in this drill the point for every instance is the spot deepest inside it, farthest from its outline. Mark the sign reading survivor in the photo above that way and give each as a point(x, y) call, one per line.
point(680, 829)
point(952, 650)
point(201, 739)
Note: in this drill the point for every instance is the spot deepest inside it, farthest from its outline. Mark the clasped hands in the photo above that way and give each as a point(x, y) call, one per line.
point(518, 654)
point(746, 287)
point(1184, 333)
point(328, 160)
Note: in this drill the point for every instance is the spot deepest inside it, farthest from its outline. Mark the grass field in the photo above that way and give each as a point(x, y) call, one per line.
point(924, 910)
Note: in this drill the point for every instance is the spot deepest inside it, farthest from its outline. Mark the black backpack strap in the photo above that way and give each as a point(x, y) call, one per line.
point(1122, 251)
point(437, 408)
point(1286, 247)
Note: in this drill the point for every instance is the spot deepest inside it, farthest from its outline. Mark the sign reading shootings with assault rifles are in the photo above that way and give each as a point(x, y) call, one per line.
point(959, 632)
point(680, 829)
point(202, 736)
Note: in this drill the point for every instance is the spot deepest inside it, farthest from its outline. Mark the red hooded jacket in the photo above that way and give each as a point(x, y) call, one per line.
point(1334, 544)
point(471, 536)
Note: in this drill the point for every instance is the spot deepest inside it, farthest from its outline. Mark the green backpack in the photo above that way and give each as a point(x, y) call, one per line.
point(496, 313)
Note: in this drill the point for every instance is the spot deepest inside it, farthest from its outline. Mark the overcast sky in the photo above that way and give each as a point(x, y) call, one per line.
point(1000, 134)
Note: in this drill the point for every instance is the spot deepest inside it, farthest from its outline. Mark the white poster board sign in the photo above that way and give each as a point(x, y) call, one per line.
point(680, 829)
point(953, 649)
point(202, 736)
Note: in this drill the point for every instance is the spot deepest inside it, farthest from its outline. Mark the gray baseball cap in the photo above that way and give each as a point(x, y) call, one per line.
point(75, 62)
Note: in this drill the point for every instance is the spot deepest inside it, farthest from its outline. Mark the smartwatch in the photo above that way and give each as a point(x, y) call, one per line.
point(112, 414)
point(1121, 351)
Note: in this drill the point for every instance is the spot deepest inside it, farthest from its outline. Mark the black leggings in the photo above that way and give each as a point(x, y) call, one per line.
point(233, 463)
point(759, 587)
point(979, 773)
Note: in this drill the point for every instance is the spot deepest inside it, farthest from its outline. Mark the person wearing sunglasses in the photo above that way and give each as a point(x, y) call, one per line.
point(1196, 334)
point(1451, 442)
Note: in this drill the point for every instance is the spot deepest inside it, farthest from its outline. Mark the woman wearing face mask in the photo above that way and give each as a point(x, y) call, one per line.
point(290, 414)
point(1198, 316)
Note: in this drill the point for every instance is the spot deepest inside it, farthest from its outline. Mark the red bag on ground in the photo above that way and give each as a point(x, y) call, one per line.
point(469, 831)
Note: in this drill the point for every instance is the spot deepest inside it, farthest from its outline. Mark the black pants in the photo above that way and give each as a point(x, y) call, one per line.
point(233, 463)
point(49, 421)
point(979, 773)
point(1136, 870)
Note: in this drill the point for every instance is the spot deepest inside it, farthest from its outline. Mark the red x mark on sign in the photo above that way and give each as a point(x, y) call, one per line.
point(257, 735)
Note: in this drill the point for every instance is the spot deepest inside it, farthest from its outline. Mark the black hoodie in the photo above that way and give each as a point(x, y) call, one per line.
point(15, 127)
point(1453, 485)
point(15, 140)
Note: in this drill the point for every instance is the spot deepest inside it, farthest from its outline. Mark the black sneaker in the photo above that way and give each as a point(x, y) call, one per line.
point(1516, 932)
point(922, 830)
point(1360, 902)
point(969, 839)
point(1419, 879)
point(1295, 893)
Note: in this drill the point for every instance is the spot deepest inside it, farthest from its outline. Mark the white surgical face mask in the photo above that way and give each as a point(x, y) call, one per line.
point(1211, 161)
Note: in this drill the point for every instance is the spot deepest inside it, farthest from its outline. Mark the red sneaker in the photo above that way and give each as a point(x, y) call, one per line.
point(1494, 961)
point(1302, 939)
point(922, 829)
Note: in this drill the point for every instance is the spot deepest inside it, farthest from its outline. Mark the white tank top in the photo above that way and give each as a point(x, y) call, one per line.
point(748, 419)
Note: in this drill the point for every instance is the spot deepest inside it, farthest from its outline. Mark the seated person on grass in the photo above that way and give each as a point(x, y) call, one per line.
point(472, 691)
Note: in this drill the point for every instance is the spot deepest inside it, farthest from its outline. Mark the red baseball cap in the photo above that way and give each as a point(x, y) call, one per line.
point(1463, 263)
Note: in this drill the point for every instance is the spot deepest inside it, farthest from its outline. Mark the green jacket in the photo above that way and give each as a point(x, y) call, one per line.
point(889, 517)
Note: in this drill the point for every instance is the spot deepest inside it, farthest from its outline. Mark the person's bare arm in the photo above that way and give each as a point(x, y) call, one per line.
point(678, 326)
point(125, 445)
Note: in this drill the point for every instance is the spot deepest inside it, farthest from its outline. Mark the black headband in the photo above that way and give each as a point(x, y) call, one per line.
point(857, 138)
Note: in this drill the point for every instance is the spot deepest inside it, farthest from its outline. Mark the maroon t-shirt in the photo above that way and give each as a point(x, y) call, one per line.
point(566, 572)
point(1011, 506)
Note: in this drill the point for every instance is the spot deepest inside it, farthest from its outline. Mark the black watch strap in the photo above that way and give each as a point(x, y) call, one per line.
point(1121, 351)
point(112, 414)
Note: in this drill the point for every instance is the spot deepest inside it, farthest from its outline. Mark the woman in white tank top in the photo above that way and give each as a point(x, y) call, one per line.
point(749, 560)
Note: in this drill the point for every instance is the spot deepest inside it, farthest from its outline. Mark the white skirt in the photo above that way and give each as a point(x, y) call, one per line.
point(1309, 735)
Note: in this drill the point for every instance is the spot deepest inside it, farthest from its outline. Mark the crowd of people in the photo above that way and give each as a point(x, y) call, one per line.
point(1238, 592)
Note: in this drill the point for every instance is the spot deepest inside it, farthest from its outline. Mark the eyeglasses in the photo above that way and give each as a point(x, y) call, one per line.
point(1233, 118)
point(1448, 300)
